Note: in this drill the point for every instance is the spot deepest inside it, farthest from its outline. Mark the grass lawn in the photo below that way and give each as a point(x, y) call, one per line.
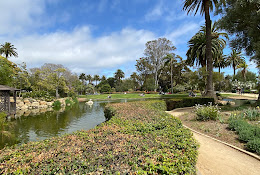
point(131, 96)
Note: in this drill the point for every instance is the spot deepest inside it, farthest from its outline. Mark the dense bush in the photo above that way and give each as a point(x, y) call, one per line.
point(56, 105)
point(252, 114)
point(138, 139)
point(245, 131)
point(187, 102)
point(254, 145)
point(205, 113)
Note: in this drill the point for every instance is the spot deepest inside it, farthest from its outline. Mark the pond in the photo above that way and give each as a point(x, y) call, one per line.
point(55, 123)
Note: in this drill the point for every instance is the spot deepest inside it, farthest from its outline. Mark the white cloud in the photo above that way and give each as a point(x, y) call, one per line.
point(17, 16)
point(155, 13)
point(183, 33)
point(80, 52)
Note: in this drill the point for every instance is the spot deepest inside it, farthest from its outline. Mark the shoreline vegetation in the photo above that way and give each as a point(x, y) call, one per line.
point(140, 138)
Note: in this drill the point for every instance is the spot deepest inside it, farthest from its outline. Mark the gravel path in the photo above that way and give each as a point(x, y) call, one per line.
point(216, 158)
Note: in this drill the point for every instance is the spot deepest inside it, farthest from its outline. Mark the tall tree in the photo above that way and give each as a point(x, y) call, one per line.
point(134, 77)
point(205, 7)
point(8, 50)
point(235, 59)
point(241, 18)
point(96, 78)
point(89, 78)
point(197, 46)
point(82, 77)
point(243, 66)
point(119, 74)
point(145, 69)
point(156, 50)
point(221, 62)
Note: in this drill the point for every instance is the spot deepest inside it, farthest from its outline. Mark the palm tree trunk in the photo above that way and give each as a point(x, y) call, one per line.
point(209, 86)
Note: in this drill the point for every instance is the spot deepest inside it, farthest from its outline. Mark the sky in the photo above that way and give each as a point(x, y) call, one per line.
point(95, 36)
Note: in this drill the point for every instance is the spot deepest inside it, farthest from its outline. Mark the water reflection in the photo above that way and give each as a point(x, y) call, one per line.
point(34, 125)
point(40, 126)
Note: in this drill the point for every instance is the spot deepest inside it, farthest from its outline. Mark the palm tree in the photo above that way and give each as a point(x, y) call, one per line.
point(221, 62)
point(82, 77)
point(103, 78)
point(96, 78)
point(197, 47)
point(119, 74)
point(243, 66)
point(235, 59)
point(205, 7)
point(8, 50)
point(89, 78)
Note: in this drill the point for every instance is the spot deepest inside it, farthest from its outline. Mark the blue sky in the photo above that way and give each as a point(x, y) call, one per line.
point(94, 36)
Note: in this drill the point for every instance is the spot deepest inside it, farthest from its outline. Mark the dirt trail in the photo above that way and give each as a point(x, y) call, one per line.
point(216, 158)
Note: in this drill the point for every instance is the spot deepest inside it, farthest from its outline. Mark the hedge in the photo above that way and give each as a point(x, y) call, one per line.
point(138, 139)
point(187, 102)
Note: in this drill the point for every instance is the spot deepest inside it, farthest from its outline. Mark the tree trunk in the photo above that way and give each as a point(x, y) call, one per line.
point(234, 68)
point(57, 93)
point(156, 81)
point(209, 85)
point(171, 77)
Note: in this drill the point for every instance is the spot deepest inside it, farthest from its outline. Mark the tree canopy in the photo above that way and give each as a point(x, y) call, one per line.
point(241, 18)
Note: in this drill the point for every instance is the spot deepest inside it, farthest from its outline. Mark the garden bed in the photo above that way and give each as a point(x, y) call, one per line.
point(139, 138)
point(218, 129)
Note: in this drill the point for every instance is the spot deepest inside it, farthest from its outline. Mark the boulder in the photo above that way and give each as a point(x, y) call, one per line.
point(49, 104)
point(26, 100)
point(42, 102)
point(20, 104)
point(24, 107)
point(35, 105)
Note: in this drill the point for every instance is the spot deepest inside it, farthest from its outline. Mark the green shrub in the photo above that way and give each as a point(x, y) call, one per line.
point(254, 145)
point(187, 102)
point(251, 114)
point(205, 113)
point(246, 134)
point(56, 105)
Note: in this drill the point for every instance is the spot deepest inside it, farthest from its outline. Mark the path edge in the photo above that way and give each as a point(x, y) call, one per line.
point(227, 144)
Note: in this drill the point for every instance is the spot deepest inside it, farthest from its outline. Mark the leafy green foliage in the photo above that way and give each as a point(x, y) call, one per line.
point(254, 145)
point(138, 139)
point(187, 102)
point(247, 133)
point(205, 113)
point(56, 105)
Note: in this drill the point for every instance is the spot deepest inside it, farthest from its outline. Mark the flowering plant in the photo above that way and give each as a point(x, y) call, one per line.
point(205, 113)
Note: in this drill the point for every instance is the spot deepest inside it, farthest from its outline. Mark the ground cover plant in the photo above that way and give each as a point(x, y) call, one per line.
point(140, 138)
point(248, 133)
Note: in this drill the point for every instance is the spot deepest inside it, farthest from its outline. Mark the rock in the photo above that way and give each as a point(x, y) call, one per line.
point(35, 105)
point(42, 102)
point(20, 104)
point(49, 104)
point(26, 101)
point(24, 107)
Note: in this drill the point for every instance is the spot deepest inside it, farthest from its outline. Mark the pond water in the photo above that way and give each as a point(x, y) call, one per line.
point(55, 123)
